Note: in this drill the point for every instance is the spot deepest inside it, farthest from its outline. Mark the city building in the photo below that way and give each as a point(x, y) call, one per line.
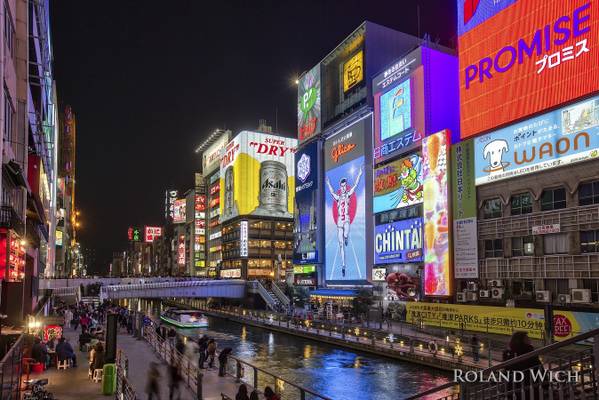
point(257, 187)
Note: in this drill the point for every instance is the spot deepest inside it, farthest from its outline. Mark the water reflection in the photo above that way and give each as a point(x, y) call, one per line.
point(336, 372)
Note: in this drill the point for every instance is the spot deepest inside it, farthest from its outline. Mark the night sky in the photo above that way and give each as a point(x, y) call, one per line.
point(148, 80)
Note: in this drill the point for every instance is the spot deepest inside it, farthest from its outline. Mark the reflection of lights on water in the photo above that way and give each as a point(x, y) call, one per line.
point(391, 337)
point(357, 362)
point(307, 351)
point(271, 342)
point(243, 333)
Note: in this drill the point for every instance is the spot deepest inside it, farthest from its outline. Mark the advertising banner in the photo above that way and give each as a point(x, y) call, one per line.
point(403, 282)
point(398, 242)
point(151, 233)
point(179, 211)
point(307, 236)
point(398, 184)
point(562, 137)
point(308, 105)
point(465, 254)
point(353, 71)
point(134, 234)
point(169, 203)
point(243, 239)
point(181, 250)
point(501, 320)
point(258, 176)
point(437, 267)
point(212, 155)
point(345, 200)
point(521, 57)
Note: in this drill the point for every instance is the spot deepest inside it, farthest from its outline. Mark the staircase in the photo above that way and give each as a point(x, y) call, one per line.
point(271, 300)
point(579, 367)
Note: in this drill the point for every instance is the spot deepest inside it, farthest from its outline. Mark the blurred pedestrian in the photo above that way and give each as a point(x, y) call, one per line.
point(202, 348)
point(152, 384)
point(475, 344)
point(211, 351)
point(175, 378)
point(222, 360)
point(255, 395)
point(242, 393)
point(270, 394)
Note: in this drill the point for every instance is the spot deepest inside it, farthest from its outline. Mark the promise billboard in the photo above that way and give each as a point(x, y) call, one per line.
point(521, 57)
point(257, 176)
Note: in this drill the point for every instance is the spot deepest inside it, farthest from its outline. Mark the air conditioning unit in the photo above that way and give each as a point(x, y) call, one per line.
point(484, 293)
point(581, 295)
point(471, 296)
point(496, 283)
point(472, 286)
point(543, 296)
point(461, 297)
point(564, 298)
point(497, 293)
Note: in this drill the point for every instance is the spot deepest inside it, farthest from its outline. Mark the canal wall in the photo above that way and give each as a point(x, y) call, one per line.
point(409, 353)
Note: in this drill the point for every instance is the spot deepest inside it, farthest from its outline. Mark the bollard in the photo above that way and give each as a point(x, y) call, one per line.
point(199, 389)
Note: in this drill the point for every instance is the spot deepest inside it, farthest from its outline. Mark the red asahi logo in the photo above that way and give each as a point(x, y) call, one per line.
point(272, 147)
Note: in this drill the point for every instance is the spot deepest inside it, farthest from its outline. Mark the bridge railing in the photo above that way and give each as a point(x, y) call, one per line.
point(280, 294)
point(242, 371)
point(579, 367)
point(257, 287)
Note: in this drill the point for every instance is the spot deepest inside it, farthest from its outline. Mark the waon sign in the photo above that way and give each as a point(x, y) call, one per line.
point(519, 57)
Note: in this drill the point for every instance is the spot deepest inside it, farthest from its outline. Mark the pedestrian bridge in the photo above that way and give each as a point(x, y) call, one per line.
point(230, 288)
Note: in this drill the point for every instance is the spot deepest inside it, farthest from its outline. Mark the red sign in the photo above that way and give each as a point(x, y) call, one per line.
point(181, 250)
point(52, 332)
point(151, 233)
point(530, 56)
point(562, 326)
point(214, 202)
point(200, 202)
point(215, 188)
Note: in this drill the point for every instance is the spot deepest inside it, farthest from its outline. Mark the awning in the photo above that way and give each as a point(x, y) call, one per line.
point(333, 293)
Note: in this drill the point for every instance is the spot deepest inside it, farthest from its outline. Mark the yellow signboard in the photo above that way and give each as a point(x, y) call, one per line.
point(353, 71)
point(499, 320)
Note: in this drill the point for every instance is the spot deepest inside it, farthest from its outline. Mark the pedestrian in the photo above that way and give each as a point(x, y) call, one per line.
point(519, 345)
point(222, 360)
point(180, 346)
point(242, 393)
point(174, 373)
point(39, 352)
point(64, 351)
point(211, 350)
point(474, 342)
point(270, 394)
point(255, 395)
point(152, 385)
point(202, 348)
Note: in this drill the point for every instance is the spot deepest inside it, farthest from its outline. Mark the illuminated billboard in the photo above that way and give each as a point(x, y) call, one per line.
point(134, 234)
point(521, 57)
point(211, 156)
point(308, 104)
point(398, 184)
point(181, 250)
point(307, 232)
point(437, 267)
point(345, 204)
point(353, 71)
point(179, 211)
point(151, 233)
point(398, 242)
point(562, 137)
point(258, 176)
point(169, 202)
point(396, 110)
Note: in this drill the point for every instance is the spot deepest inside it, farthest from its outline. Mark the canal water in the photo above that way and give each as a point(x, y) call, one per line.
point(339, 373)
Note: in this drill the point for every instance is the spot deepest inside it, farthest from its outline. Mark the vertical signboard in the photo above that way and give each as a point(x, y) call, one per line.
point(308, 104)
point(437, 273)
point(465, 249)
point(151, 233)
point(306, 216)
point(521, 57)
point(212, 155)
point(345, 200)
point(243, 239)
point(181, 250)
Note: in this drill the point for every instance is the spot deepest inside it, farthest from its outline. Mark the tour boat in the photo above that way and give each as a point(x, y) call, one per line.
point(184, 318)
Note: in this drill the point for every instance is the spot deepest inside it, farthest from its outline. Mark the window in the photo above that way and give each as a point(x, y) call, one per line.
point(521, 204)
point(556, 243)
point(493, 248)
point(589, 242)
point(553, 199)
point(9, 30)
point(9, 112)
point(523, 246)
point(492, 208)
point(588, 193)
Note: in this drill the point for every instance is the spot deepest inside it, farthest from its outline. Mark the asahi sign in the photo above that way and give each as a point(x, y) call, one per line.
point(211, 157)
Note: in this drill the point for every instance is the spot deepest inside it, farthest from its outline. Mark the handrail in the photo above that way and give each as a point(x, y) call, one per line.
point(515, 360)
point(265, 295)
point(280, 294)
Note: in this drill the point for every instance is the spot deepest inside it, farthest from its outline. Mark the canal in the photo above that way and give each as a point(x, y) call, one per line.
point(333, 371)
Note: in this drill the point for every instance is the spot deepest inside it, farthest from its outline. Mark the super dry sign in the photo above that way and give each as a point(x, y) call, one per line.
point(521, 57)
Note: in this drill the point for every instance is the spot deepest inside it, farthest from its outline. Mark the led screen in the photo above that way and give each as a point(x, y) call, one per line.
point(398, 184)
point(396, 110)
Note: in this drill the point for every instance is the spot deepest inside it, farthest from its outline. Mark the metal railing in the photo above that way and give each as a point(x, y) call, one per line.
point(261, 290)
point(280, 294)
point(124, 388)
point(10, 219)
point(11, 368)
point(242, 371)
point(583, 363)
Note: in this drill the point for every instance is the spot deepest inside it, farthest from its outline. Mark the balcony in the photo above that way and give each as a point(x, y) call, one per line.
point(11, 220)
point(572, 219)
point(581, 266)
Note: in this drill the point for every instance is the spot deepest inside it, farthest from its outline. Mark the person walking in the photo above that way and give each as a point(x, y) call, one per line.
point(519, 345)
point(474, 342)
point(242, 393)
point(152, 384)
point(255, 395)
point(211, 350)
point(270, 394)
point(222, 360)
point(202, 347)
point(174, 373)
